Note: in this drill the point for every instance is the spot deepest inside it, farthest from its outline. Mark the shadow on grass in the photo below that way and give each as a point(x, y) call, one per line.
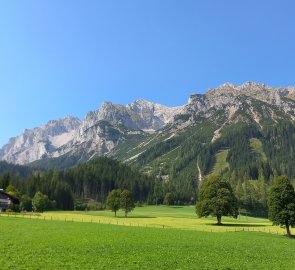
point(290, 237)
point(245, 225)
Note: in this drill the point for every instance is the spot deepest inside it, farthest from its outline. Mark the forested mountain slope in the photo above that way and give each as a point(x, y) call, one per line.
point(89, 181)
point(245, 133)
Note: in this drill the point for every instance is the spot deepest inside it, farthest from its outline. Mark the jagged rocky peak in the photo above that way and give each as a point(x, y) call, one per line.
point(250, 88)
point(33, 144)
point(197, 103)
point(255, 90)
point(232, 90)
point(196, 98)
point(139, 115)
point(105, 128)
point(54, 128)
point(141, 103)
point(162, 112)
point(57, 127)
point(229, 94)
point(225, 87)
point(253, 86)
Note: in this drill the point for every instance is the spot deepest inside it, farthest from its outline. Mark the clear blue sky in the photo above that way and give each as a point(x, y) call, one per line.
point(66, 57)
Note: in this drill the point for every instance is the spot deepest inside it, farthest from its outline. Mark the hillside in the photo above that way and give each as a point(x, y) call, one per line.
point(20, 171)
point(244, 133)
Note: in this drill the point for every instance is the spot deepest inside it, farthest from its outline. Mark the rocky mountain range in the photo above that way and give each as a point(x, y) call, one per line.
point(33, 144)
point(129, 132)
point(97, 134)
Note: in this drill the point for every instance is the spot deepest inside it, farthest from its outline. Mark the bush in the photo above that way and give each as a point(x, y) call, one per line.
point(42, 203)
point(93, 205)
point(81, 206)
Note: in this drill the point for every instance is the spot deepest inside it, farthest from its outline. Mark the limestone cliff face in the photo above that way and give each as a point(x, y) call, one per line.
point(34, 144)
point(227, 93)
point(139, 115)
point(113, 124)
point(231, 98)
point(97, 134)
point(110, 125)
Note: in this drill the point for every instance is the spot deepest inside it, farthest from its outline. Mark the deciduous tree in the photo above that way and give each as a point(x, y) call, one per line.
point(216, 198)
point(126, 201)
point(39, 202)
point(281, 203)
point(113, 200)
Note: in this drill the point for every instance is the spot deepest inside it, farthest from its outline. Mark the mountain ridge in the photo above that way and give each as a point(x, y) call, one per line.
point(48, 141)
point(112, 125)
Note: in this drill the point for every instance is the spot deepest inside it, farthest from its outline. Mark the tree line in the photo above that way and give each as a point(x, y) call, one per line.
point(217, 198)
point(83, 187)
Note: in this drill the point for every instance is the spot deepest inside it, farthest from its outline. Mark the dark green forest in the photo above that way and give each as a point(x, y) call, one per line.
point(83, 187)
point(18, 170)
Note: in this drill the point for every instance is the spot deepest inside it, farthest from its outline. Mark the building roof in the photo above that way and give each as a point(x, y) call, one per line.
point(12, 198)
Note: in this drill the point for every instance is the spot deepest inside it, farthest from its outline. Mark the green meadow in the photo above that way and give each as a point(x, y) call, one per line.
point(183, 218)
point(150, 238)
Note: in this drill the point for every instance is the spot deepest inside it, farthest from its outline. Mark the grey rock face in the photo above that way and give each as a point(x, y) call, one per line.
point(98, 133)
point(105, 128)
point(102, 130)
point(34, 144)
point(139, 115)
point(228, 94)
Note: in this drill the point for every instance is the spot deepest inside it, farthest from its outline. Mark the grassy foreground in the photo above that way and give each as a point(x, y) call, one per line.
point(45, 244)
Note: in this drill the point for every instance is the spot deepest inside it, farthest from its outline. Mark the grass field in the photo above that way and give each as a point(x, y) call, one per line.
point(45, 244)
point(183, 218)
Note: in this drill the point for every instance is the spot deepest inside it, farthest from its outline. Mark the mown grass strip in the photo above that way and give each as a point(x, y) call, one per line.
point(39, 244)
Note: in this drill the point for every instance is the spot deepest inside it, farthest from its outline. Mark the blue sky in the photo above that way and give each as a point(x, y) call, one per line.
point(65, 57)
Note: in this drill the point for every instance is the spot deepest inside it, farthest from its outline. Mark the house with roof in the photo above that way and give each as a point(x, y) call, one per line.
point(7, 201)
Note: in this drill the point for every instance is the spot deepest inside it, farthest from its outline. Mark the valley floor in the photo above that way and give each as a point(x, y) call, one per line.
point(185, 242)
point(174, 217)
